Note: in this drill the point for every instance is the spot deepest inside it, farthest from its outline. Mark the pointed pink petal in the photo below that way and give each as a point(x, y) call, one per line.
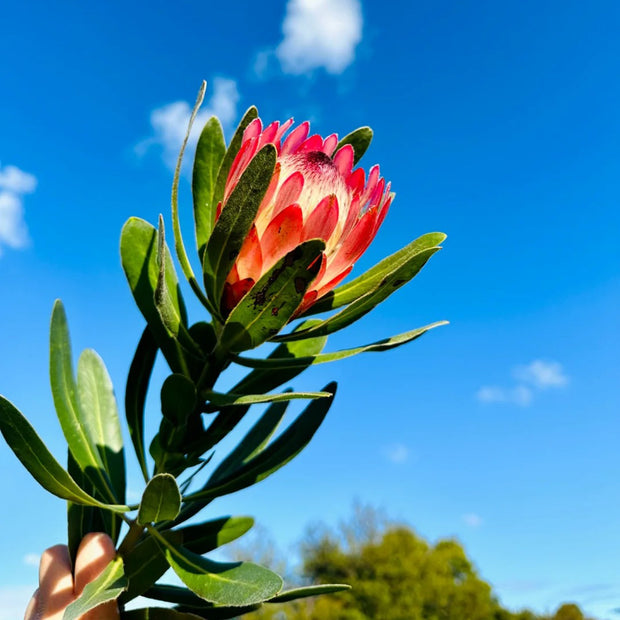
point(355, 243)
point(334, 282)
point(218, 210)
point(234, 292)
point(289, 192)
point(268, 135)
point(253, 130)
point(322, 221)
point(240, 163)
point(283, 129)
point(382, 213)
point(281, 235)
point(313, 143)
point(309, 298)
point(377, 195)
point(250, 260)
point(356, 181)
point(344, 160)
point(353, 215)
point(295, 138)
point(331, 142)
point(373, 177)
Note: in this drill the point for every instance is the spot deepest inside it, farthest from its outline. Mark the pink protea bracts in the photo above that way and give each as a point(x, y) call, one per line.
point(312, 195)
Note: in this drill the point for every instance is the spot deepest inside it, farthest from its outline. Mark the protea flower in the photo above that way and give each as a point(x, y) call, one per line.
point(313, 193)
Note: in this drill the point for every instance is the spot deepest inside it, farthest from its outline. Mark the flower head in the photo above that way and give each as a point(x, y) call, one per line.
point(314, 193)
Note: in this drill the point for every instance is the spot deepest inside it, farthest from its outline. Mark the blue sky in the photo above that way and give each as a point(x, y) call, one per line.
point(497, 122)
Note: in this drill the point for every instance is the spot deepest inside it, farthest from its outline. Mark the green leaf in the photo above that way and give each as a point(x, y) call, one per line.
point(305, 592)
point(158, 613)
point(265, 380)
point(279, 452)
point(99, 414)
point(37, 459)
point(106, 587)
point(139, 259)
point(253, 442)
point(178, 398)
point(274, 363)
point(146, 563)
point(359, 139)
point(231, 153)
point(235, 221)
point(74, 427)
point(161, 500)
point(222, 583)
point(169, 311)
point(82, 520)
point(135, 394)
point(179, 246)
point(231, 400)
point(210, 151)
point(372, 278)
point(358, 308)
point(271, 302)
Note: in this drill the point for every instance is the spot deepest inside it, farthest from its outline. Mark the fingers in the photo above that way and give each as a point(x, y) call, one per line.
point(55, 584)
point(96, 551)
point(33, 611)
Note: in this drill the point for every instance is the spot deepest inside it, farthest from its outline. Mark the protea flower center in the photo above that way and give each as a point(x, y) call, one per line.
point(313, 194)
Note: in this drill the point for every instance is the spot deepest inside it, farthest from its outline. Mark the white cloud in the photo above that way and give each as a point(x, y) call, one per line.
point(319, 33)
point(518, 395)
point(471, 519)
point(542, 374)
point(16, 181)
point(533, 377)
point(170, 122)
point(396, 453)
point(31, 559)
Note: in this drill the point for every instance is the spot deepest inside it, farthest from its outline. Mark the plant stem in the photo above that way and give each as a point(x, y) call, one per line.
point(131, 538)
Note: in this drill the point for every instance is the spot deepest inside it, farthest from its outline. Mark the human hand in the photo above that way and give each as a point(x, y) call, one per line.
point(58, 587)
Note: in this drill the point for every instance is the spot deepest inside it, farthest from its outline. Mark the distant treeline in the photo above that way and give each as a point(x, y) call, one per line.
point(394, 574)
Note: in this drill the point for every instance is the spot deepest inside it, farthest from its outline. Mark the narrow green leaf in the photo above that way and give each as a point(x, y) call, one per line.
point(372, 278)
point(82, 520)
point(230, 400)
point(106, 587)
point(305, 592)
point(179, 246)
point(271, 302)
point(279, 452)
point(146, 563)
point(357, 309)
point(359, 139)
point(255, 440)
point(135, 394)
point(231, 153)
point(37, 459)
point(235, 221)
point(169, 312)
point(99, 414)
point(161, 500)
point(210, 151)
point(139, 260)
point(231, 583)
point(274, 363)
point(64, 392)
point(265, 380)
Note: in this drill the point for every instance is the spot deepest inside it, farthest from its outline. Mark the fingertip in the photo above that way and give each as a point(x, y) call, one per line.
point(95, 552)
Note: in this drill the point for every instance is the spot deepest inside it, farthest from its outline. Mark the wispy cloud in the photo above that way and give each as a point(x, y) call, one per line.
point(471, 519)
point(14, 184)
point(31, 559)
point(169, 123)
point(542, 374)
point(317, 34)
point(532, 378)
point(396, 453)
